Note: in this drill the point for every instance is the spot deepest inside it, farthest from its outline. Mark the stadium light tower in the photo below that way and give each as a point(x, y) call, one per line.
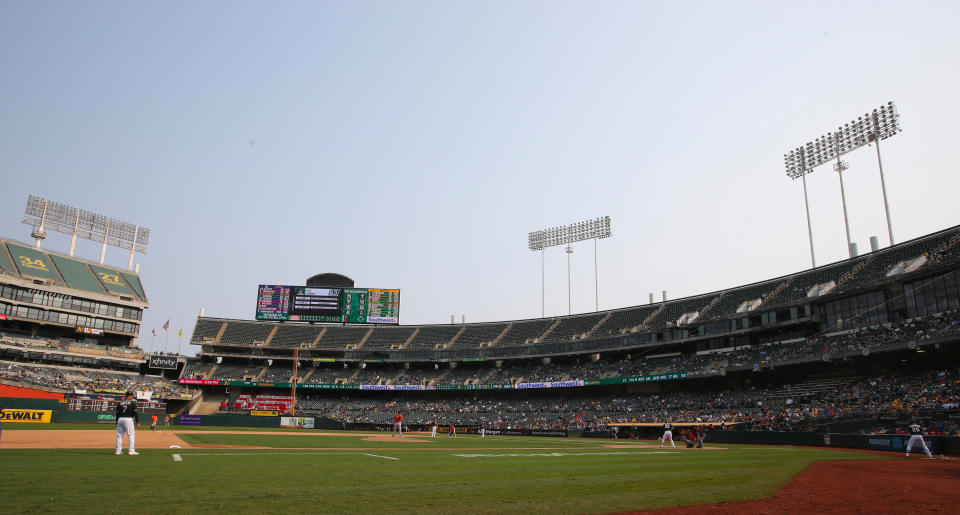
point(872, 127)
point(565, 235)
point(45, 214)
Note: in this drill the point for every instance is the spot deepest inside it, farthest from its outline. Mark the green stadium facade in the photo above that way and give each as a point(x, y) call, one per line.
point(46, 295)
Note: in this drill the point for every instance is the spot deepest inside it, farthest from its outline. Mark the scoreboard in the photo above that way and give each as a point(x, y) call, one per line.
point(371, 306)
point(311, 304)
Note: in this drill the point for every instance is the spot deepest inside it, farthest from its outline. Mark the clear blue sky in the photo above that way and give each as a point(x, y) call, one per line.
point(413, 145)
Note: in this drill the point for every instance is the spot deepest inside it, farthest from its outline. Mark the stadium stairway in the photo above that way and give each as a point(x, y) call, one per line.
point(653, 315)
point(455, 338)
point(406, 344)
point(208, 405)
point(598, 325)
point(776, 291)
point(306, 378)
point(549, 330)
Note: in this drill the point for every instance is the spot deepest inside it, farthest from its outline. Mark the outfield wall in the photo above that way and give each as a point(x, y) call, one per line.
point(937, 444)
point(7, 390)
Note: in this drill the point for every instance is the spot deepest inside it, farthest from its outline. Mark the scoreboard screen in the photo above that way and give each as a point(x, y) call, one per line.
point(273, 302)
point(371, 306)
point(315, 304)
point(312, 304)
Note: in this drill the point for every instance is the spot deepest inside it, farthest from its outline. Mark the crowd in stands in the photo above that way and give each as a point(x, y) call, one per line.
point(637, 364)
point(763, 409)
point(71, 345)
point(70, 378)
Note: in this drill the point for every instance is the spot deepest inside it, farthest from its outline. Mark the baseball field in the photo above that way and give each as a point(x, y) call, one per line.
point(72, 468)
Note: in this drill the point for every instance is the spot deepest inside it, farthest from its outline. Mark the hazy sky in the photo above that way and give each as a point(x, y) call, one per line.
point(414, 145)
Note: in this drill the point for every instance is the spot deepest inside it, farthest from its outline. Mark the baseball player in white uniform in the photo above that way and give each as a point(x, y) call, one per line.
point(433, 429)
point(667, 434)
point(126, 417)
point(916, 436)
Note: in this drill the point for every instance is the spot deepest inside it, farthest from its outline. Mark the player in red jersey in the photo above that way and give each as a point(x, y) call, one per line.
point(398, 425)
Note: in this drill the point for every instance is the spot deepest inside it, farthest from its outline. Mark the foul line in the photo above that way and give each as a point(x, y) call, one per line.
point(179, 457)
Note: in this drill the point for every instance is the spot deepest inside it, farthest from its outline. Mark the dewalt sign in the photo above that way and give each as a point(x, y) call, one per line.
point(38, 416)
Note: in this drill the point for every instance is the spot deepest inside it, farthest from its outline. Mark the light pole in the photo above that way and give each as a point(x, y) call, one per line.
point(879, 124)
point(565, 235)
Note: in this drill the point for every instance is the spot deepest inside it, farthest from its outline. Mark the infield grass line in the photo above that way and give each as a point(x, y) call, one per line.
point(562, 454)
point(179, 457)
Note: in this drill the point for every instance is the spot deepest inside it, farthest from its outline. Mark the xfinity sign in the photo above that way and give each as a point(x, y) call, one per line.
point(165, 362)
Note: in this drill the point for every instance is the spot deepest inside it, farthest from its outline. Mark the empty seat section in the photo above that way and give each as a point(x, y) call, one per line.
point(526, 332)
point(476, 334)
point(340, 337)
point(385, 337)
point(206, 329)
point(431, 336)
point(289, 335)
point(245, 333)
point(573, 327)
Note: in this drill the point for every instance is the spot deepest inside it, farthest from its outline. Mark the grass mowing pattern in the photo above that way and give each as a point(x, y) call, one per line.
point(427, 478)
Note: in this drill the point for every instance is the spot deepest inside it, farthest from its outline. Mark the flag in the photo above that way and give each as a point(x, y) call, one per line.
point(181, 332)
point(166, 326)
point(154, 332)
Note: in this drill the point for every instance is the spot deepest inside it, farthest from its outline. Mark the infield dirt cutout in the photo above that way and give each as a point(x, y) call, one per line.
point(146, 439)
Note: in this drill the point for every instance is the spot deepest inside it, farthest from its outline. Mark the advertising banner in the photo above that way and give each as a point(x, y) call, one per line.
point(206, 382)
point(36, 416)
point(899, 443)
point(316, 386)
point(189, 420)
point(263, 413)
point(637, 379)
point(164, 362)
point(304, 422)
point(106, 418)
point(551, 384)
point(470, 387)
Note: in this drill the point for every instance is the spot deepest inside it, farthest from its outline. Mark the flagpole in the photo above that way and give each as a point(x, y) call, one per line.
point(179, 345)
point(153, 341)
point(166, 340)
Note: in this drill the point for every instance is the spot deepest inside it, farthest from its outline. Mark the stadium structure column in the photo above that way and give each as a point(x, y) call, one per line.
point(839, 168)
point(130, 262)
point(569, 283)
point(596, 276)
point(293, 382)
point(73, 239)
point(883, 187)
point(543, 285)
point(806, 204)
point(103, 248)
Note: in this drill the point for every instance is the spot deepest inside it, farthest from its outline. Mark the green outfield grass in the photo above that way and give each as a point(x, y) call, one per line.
point(540, 475)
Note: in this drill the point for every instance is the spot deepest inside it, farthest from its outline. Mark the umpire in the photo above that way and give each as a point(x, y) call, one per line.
point(126, 417)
